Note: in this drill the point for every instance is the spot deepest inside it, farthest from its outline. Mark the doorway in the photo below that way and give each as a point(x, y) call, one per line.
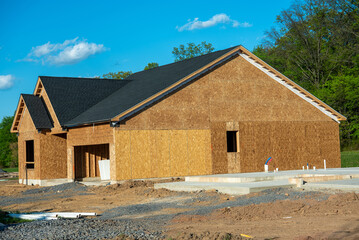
point(86, 160)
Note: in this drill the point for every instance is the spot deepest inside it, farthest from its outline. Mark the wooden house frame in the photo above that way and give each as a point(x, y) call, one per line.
point(224, 112)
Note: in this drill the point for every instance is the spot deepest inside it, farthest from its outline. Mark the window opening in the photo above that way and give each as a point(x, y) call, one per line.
point(232, 141)
point(30, 158)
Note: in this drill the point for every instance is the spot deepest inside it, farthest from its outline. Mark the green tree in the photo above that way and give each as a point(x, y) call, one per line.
point(316, 44)
point(314, 39)
point(8, 157)
point(191, 50)
point(342, 93)
point(151, 65)
point(117, 75)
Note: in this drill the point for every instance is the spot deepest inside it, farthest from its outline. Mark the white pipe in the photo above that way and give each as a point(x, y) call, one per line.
point(265, 168)
point(314, 168)
point(87, 214)
point(303, 168)
point(68, 215)
point(52, 215)
point(32, 216)
point(325, 165)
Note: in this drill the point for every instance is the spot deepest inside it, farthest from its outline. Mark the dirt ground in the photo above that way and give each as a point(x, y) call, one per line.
point(277, 214)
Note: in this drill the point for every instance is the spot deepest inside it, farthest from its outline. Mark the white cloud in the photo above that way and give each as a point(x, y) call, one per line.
point(6, 81)
point(216, 19)
point(69, 52)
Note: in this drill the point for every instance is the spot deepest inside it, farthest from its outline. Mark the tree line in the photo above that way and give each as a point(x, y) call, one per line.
point(316, 44)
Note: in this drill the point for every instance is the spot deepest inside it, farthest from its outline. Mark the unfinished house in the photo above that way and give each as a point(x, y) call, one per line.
point(224, 112)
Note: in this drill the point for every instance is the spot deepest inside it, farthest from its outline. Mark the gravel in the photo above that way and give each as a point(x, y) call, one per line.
point(73, 187)
point(138, 221)
point(65, 190)
point(266, 196)
point(80, 229)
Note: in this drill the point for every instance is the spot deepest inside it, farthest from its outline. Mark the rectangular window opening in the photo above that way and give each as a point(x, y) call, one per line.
point(30, 165)
point(30, 158)
point(232, 141)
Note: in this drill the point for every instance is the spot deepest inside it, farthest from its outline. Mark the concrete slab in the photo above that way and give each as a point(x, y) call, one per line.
point(227, 188)
point(244, 183)
point(344, 185)
point(270, 176)
point(95, 183)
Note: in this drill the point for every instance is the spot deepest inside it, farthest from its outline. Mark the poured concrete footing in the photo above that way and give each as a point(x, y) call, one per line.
point(227, 188)
point(244, 183)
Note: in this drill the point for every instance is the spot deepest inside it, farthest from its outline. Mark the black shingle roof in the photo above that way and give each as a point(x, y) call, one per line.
point(72, 96)
point(143, 85)
point(38, 111)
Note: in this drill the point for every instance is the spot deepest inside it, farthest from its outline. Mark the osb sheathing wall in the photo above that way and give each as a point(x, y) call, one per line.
point(291, 145)
point(50, 161)
point(53, 156)
point(89, 135)
point(162, 153)
point(27, 131)
point(235, 92)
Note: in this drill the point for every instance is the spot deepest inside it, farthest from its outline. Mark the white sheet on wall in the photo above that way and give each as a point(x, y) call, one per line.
point(104, 166)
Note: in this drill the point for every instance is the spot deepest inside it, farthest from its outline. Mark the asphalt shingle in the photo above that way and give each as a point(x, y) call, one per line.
point(38, 111)
point(141, 86)
point(72, 96)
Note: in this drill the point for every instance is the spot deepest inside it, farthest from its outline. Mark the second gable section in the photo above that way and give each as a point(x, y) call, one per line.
point(235, 91)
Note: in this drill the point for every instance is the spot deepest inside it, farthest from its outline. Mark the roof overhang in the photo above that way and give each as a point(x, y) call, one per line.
point(19, 111)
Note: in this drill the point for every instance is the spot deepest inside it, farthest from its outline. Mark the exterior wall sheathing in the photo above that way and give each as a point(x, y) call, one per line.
point(162, 153)
point(88, 136)
point(27, 131)
point(185, 133)
point(49, 152)
point(290, 144)
point(270, 119)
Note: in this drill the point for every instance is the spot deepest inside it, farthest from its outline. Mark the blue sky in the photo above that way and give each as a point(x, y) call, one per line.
point(91, 38)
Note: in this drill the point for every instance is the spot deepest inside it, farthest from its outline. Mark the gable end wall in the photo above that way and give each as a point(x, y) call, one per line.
point(238, 92)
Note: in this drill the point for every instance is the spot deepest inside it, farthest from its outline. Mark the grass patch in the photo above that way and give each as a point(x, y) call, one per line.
point(11, 169)
point(350, 159)
point(6, 219)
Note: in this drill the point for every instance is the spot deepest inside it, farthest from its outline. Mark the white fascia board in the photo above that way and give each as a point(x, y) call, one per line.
point(290, 87)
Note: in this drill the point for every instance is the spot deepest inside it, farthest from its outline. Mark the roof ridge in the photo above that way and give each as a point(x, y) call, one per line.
point(182, 61)
point(91, 79)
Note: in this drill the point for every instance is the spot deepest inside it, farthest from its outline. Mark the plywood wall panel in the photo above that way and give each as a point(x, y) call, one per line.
point(141, 149)
point(90, 135)
point(27, 131)
point(291, 145)
point(123, 155)
point(179, 153)
point(199, 152)
point(53, 156)
point(162, 153)
point(219, 147)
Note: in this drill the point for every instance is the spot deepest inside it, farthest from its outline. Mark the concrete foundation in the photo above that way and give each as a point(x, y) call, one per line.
point(48, 182)
point(244, 183)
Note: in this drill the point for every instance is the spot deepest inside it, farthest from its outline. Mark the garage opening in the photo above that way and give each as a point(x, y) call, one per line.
point(86, 160)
